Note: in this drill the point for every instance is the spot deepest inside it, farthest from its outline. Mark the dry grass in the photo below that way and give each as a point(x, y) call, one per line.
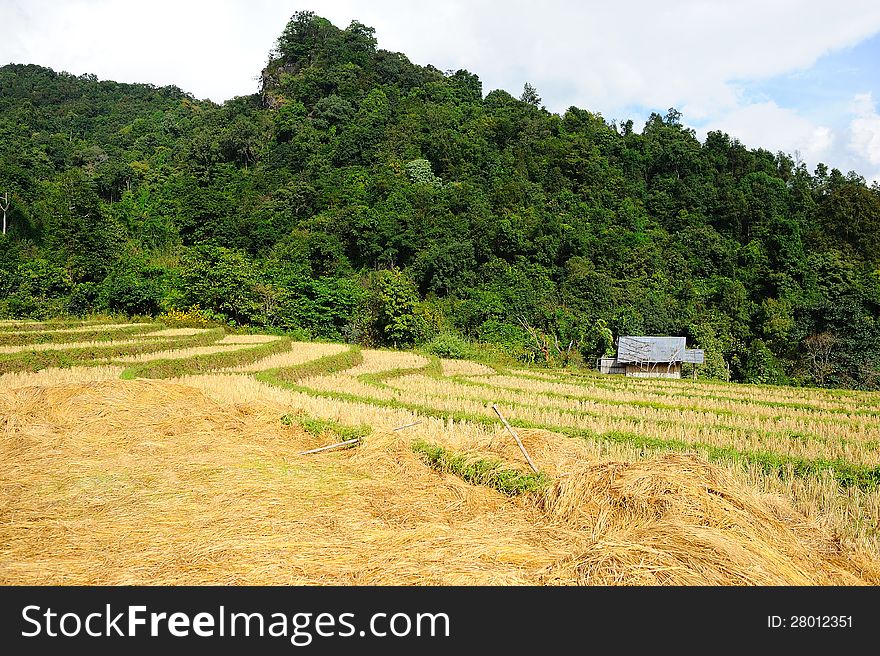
point(110, 327)
point(850, 513)
point(378, 361)
point(56, 376)
point(178, 332)
point(464, 368)
point(197, 481)
point(300, 352)
point(152, 482)
point(762, 393)
point(248, 339)
point(66, 346)
point(183, 353)
point(676, 520)
point(684, 398)
point(741, 432)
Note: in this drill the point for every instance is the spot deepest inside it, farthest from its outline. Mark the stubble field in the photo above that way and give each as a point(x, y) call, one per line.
point(148, 454)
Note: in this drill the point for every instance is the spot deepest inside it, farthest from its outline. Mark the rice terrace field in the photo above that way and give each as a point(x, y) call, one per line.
point(140, 453)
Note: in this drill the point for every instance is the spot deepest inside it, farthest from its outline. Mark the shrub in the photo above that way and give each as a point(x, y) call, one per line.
point(450, 345)
point(194, 317)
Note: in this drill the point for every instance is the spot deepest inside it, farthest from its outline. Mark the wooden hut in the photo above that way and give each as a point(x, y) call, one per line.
point(650, 357)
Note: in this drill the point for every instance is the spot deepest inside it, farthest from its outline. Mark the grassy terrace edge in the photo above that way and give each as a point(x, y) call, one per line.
point(480, 471)
point(846, 474)
point(174, 367)
point(95, 334)
point(329, 364)
point(98, 354)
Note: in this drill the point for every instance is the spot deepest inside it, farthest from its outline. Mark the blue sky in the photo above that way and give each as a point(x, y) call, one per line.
point(841, 88)
point(792, 75)
point(824, 87)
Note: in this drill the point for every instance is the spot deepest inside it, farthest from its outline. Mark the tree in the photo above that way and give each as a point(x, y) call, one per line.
point(419, 171)
point(78, 229)
point(4, 206)
point(530, 95)
point(222, 280)
point(818, 350)
point(390, 313)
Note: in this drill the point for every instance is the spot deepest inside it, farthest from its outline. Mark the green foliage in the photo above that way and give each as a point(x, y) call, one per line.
point(133, 287)
point(419, 171)
point(318, 427)
point(221, 280)
point(78, 228)
point(481, 471)
point(359, 196)
point(706, 338)
point(450, 345)
point(389, 313)
point(512, 339)
point(762, 366)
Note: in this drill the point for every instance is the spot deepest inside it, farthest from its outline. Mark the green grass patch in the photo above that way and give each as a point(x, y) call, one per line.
point(172, 368)
point(845, 473)
point(98, 354)
point(480, 471)
point(318, 426)
point(327, 365)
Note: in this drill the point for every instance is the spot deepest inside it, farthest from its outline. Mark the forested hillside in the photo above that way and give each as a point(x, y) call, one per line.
point(359, 196)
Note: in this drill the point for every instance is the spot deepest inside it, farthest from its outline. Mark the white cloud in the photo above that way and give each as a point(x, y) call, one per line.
point(776, 128)
point(605, 56)
point(611, 58)
point(212, 49)
point(865, 129)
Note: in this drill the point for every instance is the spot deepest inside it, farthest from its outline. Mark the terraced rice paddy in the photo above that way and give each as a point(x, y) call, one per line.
point(163, 455)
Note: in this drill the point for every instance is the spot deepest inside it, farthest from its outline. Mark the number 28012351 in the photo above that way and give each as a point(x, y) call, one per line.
point(810, 622)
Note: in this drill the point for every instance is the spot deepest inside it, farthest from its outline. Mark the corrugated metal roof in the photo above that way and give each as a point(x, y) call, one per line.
point(650, 349)
point(696, 356)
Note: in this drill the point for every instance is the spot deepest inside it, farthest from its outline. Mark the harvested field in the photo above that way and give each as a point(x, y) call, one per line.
point(198, 479)
point(464, 368)
point(184, 353)
point(67, 346)
point(300, 352)
point(178, 332)
point(162, 485)
point(55, 376)
point(380, 361)
point(84, 329)
point(248, 339)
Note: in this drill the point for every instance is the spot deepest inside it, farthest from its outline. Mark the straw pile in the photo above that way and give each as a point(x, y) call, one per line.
point(152, 482)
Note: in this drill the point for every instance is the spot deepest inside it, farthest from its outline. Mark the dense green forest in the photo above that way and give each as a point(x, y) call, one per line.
point(362, 197)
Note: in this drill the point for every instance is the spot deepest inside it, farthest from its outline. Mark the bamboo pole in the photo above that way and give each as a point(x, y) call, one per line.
point(516, 437)
point(415, 423)
point(352, 440)
point(331, 446)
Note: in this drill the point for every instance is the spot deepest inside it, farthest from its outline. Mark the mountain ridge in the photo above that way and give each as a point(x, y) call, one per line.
point(359, 196)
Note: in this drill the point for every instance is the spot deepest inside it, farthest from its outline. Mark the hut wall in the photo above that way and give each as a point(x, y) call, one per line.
point(657, 370)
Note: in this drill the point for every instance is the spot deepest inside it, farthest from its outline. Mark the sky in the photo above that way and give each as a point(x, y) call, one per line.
point(800, 76)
